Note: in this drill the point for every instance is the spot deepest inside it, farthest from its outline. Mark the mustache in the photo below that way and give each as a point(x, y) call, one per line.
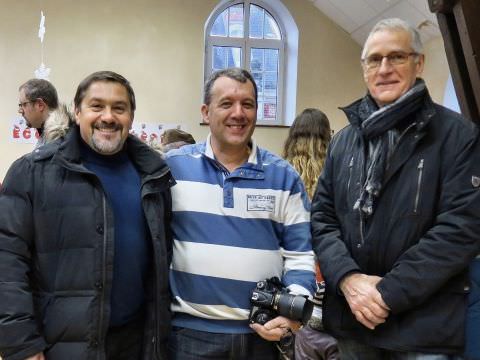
point(107, 126)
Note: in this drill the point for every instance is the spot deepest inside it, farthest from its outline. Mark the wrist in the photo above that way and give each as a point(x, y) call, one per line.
point(344, 283)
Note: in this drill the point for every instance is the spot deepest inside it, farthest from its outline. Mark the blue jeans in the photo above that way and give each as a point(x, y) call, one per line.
point(354, 350)
point(189, 344)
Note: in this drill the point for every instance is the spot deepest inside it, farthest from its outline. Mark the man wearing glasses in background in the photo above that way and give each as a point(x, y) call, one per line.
point(395, 215)
point(39, 106)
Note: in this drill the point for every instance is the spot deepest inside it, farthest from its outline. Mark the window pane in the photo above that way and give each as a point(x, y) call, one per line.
point(264, 65)
point(225, 56)
point(235, 28)
point(218, 61)
point(269, 111)
point(256, 22)
point(271, 60)
point(258, 77)
point(234, 57)
point(271, 28)
point(260, 111)
point(219, 27)
point(271, 84)
point(256, 60)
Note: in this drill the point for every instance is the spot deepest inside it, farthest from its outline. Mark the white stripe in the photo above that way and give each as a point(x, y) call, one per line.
point(213, 312)
point(296, 260)
point(295, 212)
point(208, 198)
point(299, 290)
point(226, 262)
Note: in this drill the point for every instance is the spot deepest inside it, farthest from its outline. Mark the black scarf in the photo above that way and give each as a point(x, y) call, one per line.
point(375, 127)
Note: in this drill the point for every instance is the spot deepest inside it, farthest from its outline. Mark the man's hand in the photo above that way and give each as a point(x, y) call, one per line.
point(38, 356)
point(276, 328)
point(364, 299)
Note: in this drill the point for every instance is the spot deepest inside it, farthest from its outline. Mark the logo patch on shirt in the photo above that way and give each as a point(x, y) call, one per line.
point(261, 203)
point(475, 181)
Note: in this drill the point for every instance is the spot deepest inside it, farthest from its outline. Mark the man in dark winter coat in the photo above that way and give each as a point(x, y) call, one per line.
point(395, 215)
point(85, 244)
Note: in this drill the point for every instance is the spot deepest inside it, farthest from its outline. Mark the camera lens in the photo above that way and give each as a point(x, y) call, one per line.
point(295, 307)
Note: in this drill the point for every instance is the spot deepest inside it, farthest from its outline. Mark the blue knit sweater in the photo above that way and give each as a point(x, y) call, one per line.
point(121, 184)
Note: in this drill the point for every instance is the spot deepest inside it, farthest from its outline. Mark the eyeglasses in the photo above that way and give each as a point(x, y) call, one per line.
point(22, 104)
point(395, 58)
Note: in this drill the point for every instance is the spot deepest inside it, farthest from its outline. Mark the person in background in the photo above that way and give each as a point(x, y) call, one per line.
point(85, 241)
point(38, 104)
point(175, 138)
point(306, 148)
point(240, 215)
point(395, 214)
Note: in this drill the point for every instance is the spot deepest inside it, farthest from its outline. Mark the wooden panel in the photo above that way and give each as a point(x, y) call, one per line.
point(458, 21)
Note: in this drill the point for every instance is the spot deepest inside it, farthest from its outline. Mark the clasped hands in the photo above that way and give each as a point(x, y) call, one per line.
point(365, 301)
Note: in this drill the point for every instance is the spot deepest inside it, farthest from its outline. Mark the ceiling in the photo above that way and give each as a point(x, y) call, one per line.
point(357, 17)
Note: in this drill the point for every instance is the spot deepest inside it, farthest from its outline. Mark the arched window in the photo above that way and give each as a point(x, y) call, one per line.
point(250, 34)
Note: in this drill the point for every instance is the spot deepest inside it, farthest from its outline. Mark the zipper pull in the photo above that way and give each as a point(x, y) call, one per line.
point(420, 164)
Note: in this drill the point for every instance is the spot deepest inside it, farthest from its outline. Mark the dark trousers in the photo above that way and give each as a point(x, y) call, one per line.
point(189, 344)
point(354, 350)
point(125, 342)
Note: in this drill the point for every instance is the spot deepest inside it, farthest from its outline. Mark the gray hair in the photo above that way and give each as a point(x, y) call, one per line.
point(395, 24)
point(238, 74)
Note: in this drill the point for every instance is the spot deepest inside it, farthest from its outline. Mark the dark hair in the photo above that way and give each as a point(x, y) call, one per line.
point(174, 135)
point(237, 74)
point(108, 76)
point(40, 89)
point(306, 146)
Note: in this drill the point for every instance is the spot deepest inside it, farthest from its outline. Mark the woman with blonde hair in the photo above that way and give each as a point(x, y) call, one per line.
point(306, 149)
point(306, 146)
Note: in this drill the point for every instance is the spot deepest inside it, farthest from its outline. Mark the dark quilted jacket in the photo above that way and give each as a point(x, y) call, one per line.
point(56, 253)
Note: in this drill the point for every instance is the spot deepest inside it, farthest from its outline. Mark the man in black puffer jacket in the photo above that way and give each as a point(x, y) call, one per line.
point(395, 215)
point(85, 242)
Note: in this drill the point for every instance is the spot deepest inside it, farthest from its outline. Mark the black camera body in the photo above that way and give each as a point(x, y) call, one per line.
point(270, 298)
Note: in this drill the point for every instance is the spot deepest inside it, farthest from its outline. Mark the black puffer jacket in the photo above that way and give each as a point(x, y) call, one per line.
point(56, 253)
point(421, 237)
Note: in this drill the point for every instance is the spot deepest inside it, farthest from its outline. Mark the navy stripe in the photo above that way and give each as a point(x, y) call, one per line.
point(215, 326)
point(280, 174)
point(262, 234)
point(209, 290)
point(300, 277)
point(299, 237)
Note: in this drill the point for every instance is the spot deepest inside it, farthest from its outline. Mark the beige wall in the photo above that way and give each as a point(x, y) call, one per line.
point(158, 46)
point(436, 69)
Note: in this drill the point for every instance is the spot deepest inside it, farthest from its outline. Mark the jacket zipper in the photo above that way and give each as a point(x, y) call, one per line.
point(104, 275)
point(362, 238)
point(350, 166)
point(419, 183)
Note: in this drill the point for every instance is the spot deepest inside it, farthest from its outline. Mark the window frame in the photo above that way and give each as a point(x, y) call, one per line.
point(246, 44)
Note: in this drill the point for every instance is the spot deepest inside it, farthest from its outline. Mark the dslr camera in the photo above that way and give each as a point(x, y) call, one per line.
point(270, 298)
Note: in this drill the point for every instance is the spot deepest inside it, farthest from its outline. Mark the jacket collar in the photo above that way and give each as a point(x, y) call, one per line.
point(252, 158)
point(146, 160)
point(355, 111)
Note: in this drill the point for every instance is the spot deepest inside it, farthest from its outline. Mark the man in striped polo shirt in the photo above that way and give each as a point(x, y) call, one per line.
point(240, 215)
